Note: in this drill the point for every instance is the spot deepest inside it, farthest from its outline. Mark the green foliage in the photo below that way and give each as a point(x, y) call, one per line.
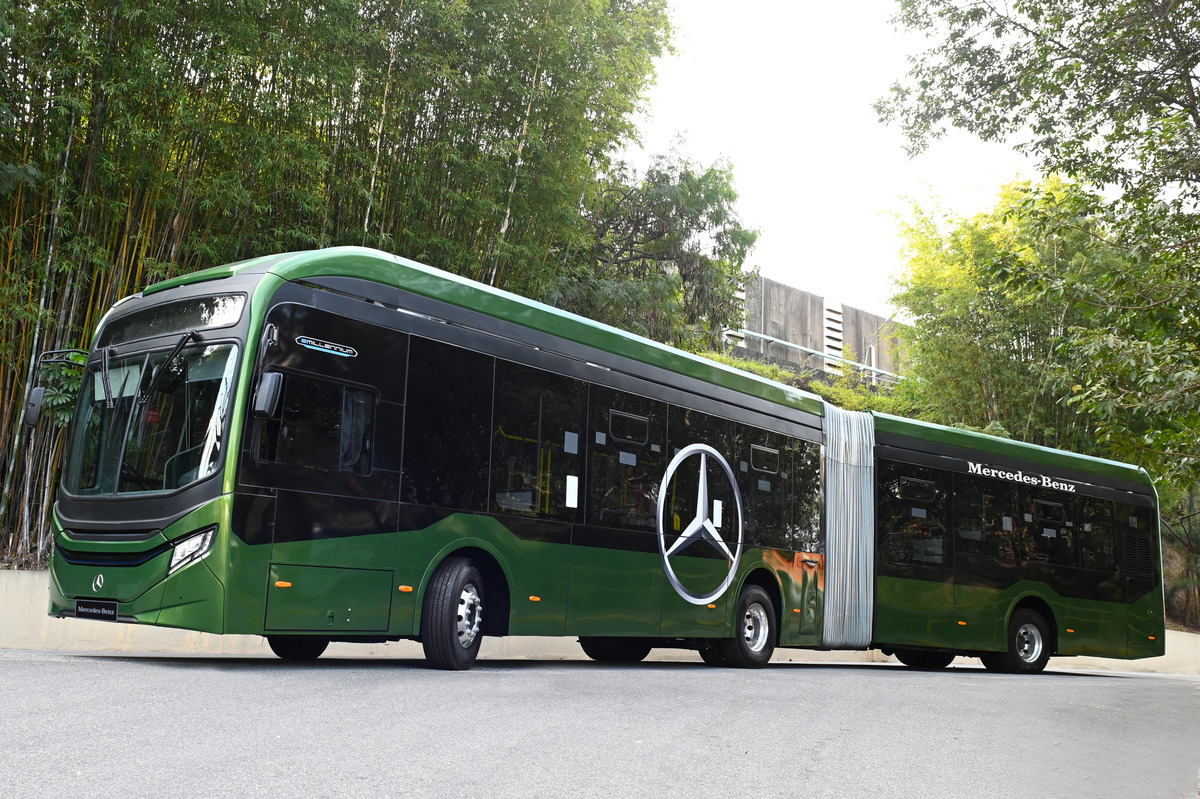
point(663, 254)
point(1106, 93)
point(140, 140)
point(988, 354)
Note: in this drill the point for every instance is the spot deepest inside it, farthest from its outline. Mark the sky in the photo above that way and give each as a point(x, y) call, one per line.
point(784, 90)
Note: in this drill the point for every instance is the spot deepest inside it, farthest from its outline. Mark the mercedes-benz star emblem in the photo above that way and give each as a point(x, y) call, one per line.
point(702, 526)
point(97, 583)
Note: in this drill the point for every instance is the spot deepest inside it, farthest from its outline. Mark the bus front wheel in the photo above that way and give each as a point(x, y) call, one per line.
point(297, 648)
point(753, 640)
point(452, 615)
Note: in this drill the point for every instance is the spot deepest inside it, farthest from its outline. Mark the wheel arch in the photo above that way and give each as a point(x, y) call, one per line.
point(767, 580)
point(498, 597)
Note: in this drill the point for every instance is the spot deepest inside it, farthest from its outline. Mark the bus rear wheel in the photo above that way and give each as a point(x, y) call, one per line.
point(924, 660)
point(297, 648)
point(615, 650)
point(452, 616)
point(753, 641)
point(1028, 645)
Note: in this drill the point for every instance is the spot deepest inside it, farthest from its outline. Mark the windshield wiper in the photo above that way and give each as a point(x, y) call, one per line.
point(108, 398)
point(156, 378)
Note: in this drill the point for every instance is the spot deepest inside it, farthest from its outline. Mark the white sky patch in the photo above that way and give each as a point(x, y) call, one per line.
point(784, 90)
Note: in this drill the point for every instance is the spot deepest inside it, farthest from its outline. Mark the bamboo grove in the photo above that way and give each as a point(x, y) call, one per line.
point(139, 140)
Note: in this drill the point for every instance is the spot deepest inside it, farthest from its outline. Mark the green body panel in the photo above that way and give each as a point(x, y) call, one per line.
point(914, 612)
point(1146, 630)
point(615, 592)
point(192, 598)
point(972, 619)
point(328, 599)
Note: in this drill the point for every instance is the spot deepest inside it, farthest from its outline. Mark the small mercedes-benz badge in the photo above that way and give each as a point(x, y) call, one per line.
point(97, 583)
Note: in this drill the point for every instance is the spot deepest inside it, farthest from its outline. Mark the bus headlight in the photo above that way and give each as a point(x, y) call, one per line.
point(192, 548)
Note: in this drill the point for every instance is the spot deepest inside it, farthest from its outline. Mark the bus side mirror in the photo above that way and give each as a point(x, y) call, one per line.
point(266, 398)
point(33, 407)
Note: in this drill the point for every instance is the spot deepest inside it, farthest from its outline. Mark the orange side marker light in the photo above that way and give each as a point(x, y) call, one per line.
point(711, 607)
point(283, 584)
point(962, 624)
point(406, 589)
point(535, 599)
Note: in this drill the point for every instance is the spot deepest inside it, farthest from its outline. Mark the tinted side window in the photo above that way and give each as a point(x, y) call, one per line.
point(804, 512)
point(1097, 540)
point(1047, 534)
point(447, 426)
point(320, 425)
point(985, 517)
point(623, 469)
point(912, 508)
point(537, 460)
point(764, 488)
point(689, 427)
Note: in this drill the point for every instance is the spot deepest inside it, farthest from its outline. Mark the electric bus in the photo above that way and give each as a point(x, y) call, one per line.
point(345, 445)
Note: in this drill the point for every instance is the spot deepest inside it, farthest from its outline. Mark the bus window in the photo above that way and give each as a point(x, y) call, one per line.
point(320, 425)
point(447, 423)
point(629, 428)
point(1048, 535)
point(623, 473)
point(911, 515)
point(764, 491)
point(805, 506)
point(1097, 543)
point(537, 465)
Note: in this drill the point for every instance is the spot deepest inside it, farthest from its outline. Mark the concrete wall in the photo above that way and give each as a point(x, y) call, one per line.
point(24, 596)
point(798, 317)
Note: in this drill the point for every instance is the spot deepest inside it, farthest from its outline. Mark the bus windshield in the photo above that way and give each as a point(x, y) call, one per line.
point(152, 421)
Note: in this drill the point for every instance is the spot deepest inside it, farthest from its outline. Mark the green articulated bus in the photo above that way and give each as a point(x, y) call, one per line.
point(344, 445)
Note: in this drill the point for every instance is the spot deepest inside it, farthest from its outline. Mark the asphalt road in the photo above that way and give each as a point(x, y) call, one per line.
point(146, 726)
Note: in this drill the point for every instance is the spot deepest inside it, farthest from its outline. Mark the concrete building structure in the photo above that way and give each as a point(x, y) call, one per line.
point(797, 329)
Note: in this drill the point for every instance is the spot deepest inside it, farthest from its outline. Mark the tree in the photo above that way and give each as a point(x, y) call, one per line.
point(988, 354)
point(663, 254)
point(139, 140)
point(1107, 94)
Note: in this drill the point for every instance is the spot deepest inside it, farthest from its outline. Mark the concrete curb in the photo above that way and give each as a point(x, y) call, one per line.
point(25, 625)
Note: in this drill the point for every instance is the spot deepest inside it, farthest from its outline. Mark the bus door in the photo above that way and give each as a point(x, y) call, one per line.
point(323, 450)
point(616, 570)
point(914, 603)
point(986, 527)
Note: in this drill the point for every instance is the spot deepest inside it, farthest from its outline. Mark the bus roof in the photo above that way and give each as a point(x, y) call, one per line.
point(395, 271)
point(940, 435)
point(402, 273)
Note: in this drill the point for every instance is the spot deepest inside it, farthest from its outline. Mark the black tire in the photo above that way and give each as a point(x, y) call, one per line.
point(924, 659)
point(615, 650)
point(452, 616)
point(755, 631)
point(710, 653)
point(1029, 645)
point(297, 648)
